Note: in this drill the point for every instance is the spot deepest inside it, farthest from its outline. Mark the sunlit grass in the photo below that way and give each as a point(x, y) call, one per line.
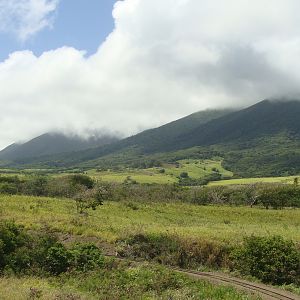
point(196, 169)
point(284, 180)
point(118, 219)
point(36, 288)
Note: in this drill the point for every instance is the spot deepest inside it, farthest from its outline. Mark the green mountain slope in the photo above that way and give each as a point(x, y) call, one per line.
point(150, 141)
point(262, 140)
point(266, 118)
point(48, 144)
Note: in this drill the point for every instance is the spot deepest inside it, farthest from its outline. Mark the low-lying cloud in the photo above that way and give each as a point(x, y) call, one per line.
point(164, 59)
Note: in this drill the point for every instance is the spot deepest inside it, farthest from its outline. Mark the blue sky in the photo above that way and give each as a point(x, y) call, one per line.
point(81, 24)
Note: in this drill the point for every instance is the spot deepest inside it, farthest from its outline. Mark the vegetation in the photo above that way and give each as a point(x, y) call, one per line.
point(260, 141)
point(119, 219)
point(83, 270)
point(199, 172)
point(23, 253)
point(116, 281)
point(272, 259)
point(250, 229)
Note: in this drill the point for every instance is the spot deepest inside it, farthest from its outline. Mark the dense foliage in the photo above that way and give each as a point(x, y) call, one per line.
point(175, 251)
point(83, 189)
point(89, 194)
point(271, 259)
point(42, 253)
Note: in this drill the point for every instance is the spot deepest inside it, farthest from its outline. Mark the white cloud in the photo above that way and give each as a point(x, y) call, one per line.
point(24, 18)
point(165, 59)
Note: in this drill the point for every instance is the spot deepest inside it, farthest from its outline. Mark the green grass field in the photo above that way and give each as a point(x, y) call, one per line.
point(121, 219)
point(244, 181)
point(196, 169)
point(140, 176)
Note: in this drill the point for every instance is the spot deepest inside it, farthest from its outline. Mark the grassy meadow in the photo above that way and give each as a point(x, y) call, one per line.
point(115, 220)
point(170, 233)
point(245, 181)
point(195, 168)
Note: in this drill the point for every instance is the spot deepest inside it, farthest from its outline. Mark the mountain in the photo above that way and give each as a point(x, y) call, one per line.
point(267, 118)
point(50, 144)
point(158, 139)
point(261, 140)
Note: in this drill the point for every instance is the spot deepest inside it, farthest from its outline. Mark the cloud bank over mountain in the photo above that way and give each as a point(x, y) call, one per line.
point(164, 59)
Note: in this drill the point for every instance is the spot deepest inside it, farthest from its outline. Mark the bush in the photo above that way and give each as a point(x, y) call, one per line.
point(84, 180)
point(184, 175)
point(57, 259)
point(86, 257)
point(24, 253)
point(35, 186)
point(271, 259)
point(8, 188)
point(12, 237)
point(279, 196)
point(175, 251)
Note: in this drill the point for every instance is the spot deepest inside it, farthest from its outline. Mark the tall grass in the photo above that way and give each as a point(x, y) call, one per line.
point(120, 219)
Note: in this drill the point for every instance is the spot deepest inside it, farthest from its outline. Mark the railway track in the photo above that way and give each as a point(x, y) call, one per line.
point(264, 291)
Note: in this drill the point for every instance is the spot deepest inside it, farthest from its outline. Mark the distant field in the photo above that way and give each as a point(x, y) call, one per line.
point(119, 219)
point(284, 180)
point(140, 176)
point(195, 168)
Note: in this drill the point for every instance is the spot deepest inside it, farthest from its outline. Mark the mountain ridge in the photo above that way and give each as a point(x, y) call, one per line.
point(52, 143)
point(260, 140)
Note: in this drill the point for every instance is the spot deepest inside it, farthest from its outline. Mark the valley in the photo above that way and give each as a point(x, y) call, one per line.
point(199, 193)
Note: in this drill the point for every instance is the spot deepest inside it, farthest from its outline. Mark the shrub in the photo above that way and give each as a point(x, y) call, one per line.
point(279, 196)
point(271, 259)
point(86, 257)
point(184, 175)
point(11, 238)
point(57, 259)
point(37, 253)
point(35, 186)
point(8, 188)
point(84, 180)
point(175, 250)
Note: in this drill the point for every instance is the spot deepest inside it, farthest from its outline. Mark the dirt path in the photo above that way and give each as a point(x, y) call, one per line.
point(264, 291)
point(257, 289)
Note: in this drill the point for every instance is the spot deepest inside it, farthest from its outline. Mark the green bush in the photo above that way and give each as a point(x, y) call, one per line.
point(12, 237)
point(86, 257)
point(8, 188)
point(175, 251)
point(84, 180)
point(279, 196)
point(23, 253)
point(271, 259)
point(58, 259)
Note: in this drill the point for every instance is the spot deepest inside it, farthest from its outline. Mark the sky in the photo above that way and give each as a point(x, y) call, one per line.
point(123, 66)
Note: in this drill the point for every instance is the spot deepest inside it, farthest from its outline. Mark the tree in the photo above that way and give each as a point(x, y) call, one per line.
point(92, 198)
point(184, 175)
